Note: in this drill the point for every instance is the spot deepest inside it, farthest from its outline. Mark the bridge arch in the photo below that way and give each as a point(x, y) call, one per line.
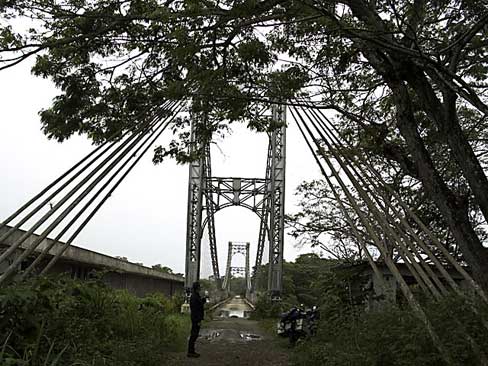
point(226, 205)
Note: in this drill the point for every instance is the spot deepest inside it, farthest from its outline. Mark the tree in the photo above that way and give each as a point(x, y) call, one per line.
point(407, 75)
point(303, 279)
point(320, 223)
point(238, 285)
point(161, 268)
point(392, 75)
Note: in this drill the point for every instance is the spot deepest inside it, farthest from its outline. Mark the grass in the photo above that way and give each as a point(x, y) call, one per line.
point(59, 321)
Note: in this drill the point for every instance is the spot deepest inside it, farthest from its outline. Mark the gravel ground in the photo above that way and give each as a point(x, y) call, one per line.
point(235, 342)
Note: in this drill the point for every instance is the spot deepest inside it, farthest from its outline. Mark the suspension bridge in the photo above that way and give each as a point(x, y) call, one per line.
point(361, 193)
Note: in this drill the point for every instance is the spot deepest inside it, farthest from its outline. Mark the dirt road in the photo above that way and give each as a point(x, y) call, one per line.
point(235, 342)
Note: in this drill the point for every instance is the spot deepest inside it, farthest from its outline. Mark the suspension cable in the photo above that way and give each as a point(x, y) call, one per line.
point(87, 205)
point(65, 174)
point(376, 188)
point(391, 266)
point(397, 236)
point(422, 226)
point(30, 249)
point(360, 240)
point(414, 268)
point(9, 232)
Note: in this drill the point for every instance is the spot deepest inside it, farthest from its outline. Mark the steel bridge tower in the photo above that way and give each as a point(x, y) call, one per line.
point(263, 196)
point(237, 248)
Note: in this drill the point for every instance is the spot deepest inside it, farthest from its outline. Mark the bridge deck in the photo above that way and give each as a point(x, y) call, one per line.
point(235, 308)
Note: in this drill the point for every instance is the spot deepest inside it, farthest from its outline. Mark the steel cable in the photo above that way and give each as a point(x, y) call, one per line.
point(397, 235)
point(375, 189)
point(12, 248)
point(31, 248)
point(391, 266)
point(60, 189)
point(138, 154)
point(413, 266)
point(473, 343)
point(110, 141)
point(422, 226)
point(356, 233)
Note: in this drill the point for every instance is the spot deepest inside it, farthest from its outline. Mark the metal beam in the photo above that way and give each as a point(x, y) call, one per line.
point(237, 248)
point(264, 196)
point(194, 213)
point(210, 219)
point(277, 209)
point(263, 225)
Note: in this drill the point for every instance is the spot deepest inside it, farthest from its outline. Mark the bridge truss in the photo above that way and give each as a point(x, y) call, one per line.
point(264, 196)
point(82, 190)
point(234, 249)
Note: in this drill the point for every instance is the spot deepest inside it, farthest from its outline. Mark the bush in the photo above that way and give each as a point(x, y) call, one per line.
point(57, 320)
point(392, 335)
point(265, 308)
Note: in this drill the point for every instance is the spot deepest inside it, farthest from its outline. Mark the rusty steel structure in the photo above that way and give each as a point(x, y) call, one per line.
point(263, 196)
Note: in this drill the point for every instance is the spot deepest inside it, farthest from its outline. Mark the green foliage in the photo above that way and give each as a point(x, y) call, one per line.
point(238, 285)
point(303, 283)
point(63, 321)
point(394, 336)
point(161, 268)
point(390, 335)
point(387, 334)
point(266, 308)
point(322, 223)
point(113, 62)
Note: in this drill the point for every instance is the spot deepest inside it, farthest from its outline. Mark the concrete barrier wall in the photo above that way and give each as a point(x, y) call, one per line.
point(80, 263)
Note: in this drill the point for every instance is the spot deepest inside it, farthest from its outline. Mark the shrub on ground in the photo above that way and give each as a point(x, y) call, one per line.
point(60, 321)
point(392, 335)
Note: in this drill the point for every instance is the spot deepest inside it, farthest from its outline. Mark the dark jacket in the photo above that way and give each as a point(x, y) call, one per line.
point(196, 307)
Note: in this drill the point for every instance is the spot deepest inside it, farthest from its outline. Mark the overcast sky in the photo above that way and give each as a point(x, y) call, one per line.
point(145, 219)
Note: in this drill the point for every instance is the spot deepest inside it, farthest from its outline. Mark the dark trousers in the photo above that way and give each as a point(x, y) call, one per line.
point(195, 330)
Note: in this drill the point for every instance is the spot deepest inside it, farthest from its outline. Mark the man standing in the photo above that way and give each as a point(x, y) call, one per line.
point(197, 312)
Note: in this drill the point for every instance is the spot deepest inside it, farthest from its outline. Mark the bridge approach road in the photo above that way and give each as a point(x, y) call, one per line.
point(235, 341)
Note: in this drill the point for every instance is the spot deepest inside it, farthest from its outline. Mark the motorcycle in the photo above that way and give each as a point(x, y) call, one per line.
point(298, 323)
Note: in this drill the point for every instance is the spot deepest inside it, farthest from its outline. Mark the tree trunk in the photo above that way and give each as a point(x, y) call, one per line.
point(453, 210)
point(446, 120)
point(394, 71)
